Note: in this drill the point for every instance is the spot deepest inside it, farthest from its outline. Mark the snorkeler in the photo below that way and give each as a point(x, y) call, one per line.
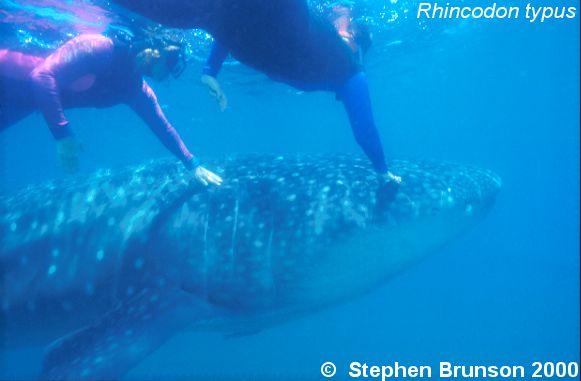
point(327, 60)
point(92, 70)
point(287, 42)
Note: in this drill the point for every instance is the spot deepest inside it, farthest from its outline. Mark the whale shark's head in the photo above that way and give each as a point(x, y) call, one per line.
point(435, 203)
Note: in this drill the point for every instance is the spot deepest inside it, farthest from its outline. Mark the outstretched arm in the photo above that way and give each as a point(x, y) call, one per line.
point(145, 104)
point(354, 94)
point(210, 72)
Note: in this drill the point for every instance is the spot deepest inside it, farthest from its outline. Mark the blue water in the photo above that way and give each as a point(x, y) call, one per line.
point(497, 94)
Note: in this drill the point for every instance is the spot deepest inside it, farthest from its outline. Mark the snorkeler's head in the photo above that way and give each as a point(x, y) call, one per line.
point(353, 31)
point(159, 63)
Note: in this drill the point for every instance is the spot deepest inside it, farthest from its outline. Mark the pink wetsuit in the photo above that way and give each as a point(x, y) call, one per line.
point(87, 71)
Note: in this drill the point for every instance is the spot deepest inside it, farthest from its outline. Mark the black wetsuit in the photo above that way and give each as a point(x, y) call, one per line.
point(283, 39)
point(278, 37)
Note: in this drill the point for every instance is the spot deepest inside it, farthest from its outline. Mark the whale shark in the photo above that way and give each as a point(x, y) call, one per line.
point(103, 269)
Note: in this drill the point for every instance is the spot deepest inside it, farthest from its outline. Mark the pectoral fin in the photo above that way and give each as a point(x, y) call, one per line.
point(112, 346)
